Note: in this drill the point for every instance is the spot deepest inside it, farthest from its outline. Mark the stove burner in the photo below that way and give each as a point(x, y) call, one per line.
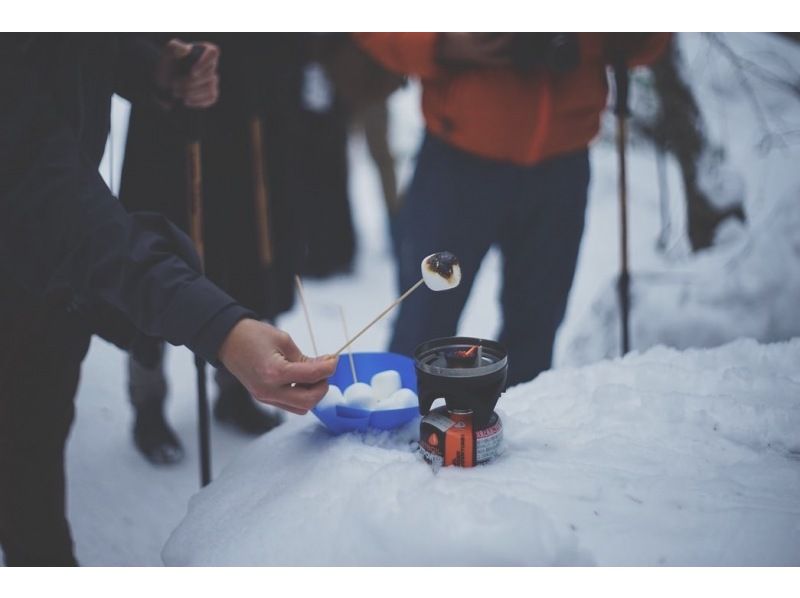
point(468, 373)
point(462, 358)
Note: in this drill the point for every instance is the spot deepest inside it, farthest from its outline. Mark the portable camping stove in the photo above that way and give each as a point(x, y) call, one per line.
point(470, 374)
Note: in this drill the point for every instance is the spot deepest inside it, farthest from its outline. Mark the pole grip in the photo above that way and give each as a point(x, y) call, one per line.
point(186, 63)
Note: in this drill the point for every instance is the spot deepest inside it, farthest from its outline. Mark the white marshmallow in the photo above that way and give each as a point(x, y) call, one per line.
point(432, 275)
point(385, 383)
point(332, 398)
point(359, 395)
point(405, 397)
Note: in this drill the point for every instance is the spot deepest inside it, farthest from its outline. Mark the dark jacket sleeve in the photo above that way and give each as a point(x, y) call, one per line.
point(60, 228)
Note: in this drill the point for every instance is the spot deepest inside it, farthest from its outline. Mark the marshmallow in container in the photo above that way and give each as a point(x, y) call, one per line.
point(384, 392)
point(385, 384)
point(401, 399)
point(441, 271)
point(332, 398)
point(359, 395)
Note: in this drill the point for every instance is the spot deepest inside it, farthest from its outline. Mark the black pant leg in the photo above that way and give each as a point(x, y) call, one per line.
point(453, 204)
point(540, 244)
point(40, 357)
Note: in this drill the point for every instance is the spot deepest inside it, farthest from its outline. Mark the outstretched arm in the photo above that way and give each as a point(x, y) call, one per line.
point(61, 229)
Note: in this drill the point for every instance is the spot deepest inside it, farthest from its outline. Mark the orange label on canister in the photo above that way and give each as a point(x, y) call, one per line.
point(450, 438)
point(459, 441)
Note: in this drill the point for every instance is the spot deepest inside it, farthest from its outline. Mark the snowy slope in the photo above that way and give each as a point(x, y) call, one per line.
point(664, 458)
point(747, 290)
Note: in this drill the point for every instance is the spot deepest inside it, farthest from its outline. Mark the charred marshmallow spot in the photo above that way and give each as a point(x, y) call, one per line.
point(441, 271)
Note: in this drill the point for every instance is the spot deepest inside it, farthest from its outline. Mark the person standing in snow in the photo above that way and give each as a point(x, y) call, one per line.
point(509, 118)
point(259, 78)
point(74, 263)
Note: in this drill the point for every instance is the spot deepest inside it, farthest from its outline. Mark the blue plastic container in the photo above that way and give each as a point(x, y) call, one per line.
point(340, 419)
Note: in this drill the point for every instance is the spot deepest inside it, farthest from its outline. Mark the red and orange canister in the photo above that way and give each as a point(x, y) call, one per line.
point(449, 438)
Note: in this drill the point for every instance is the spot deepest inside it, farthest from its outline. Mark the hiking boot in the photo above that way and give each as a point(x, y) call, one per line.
point(152, 435)
point(235, 406)
point(155, 439)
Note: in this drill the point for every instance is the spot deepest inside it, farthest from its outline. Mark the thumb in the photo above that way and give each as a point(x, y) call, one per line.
point(178, 48)
point(312, 371)
point(286, 345)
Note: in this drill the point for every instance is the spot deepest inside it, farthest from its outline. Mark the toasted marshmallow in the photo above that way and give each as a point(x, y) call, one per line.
point(441, 271)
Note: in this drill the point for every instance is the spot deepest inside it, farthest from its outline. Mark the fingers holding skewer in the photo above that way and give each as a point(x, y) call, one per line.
point(287, 378)
point(284, 378)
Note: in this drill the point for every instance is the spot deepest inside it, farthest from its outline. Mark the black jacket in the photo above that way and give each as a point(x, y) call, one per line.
point(62, 233)
point(260, 76)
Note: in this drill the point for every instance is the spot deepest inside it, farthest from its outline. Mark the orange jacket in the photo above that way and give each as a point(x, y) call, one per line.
point(505, 114)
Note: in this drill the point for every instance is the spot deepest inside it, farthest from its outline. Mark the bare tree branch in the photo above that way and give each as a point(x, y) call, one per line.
point(679, 128)
point(741, 69)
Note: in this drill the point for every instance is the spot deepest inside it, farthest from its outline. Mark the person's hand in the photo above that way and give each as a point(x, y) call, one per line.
point(197, 89)
point(271, 367)
point(475, 49)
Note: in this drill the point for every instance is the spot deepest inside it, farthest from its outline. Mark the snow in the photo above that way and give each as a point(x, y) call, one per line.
point(750, 289)
point(632, 439)
point(662, 458)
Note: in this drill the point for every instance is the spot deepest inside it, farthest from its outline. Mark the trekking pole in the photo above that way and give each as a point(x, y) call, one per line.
point(194, 202)
point(260, 192)
point(263, 216)
point(622, 112)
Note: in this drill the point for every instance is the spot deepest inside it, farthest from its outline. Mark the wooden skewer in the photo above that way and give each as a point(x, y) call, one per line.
point(383, 313)
point(305, 311)
point(349, 353)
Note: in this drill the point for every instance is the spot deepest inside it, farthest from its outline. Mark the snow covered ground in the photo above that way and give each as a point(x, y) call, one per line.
point(569, 425)
point(665, 458)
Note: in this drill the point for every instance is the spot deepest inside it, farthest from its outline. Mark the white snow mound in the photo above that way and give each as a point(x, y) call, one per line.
point(679, 458)
point(749, 290)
